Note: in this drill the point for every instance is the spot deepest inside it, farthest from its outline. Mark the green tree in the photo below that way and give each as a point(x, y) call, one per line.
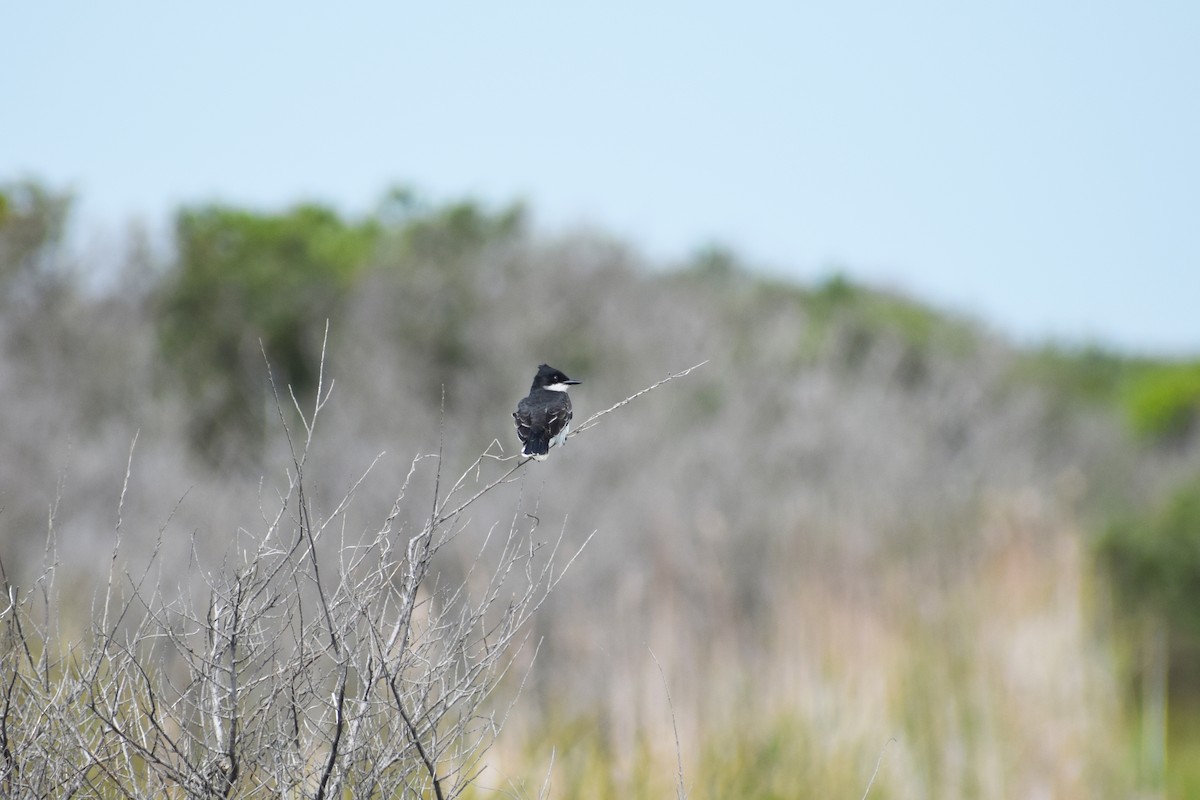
point(1163, 402)
point(434, 268)
point(242, 278)
point(33, 219)
point(1154, 563)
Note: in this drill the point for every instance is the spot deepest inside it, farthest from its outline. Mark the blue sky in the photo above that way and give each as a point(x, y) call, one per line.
point(1035, 164)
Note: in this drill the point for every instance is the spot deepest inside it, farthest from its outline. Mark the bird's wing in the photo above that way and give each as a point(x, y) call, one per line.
point(559, 415)
point(546, 420)
point(524, 420)
point(557, 418)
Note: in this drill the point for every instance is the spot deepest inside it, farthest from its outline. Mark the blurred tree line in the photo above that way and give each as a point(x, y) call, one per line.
point(886, 413)
point(245, 278)
point(33, 220)
point(242, 283)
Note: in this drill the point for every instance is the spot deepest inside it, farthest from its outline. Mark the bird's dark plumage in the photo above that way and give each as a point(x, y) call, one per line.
point(543, 416)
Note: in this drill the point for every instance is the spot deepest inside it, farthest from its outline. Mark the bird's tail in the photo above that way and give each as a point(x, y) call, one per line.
point(536, 447)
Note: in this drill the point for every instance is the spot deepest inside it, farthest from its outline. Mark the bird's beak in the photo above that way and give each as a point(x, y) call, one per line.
point(572, 383)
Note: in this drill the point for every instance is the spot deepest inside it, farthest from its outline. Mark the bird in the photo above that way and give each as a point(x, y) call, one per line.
point(543, 416)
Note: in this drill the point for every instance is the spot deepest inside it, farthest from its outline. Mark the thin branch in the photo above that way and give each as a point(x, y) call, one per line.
point(593, 420)
point(430, 767)
point(502, 479)
point(125, 484)
point(437, 476)
point(680, 792)
point(338, 729)
point(878, 761)
point(589, 423)
point(545, 790)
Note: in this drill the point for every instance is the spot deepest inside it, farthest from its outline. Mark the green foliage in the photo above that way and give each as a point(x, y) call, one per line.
point(1091, 375)
point(243, 278)
point(879, 313)
point(1154, 562)
point(33, 218)
point(460, 228)
point(1183, 775)
point(1163, 401)
point(433, 268)
point(835, 291)
point(1159, 400)
point(715, 263)
point(781, 758)
point(861, 319)
point(776, 757)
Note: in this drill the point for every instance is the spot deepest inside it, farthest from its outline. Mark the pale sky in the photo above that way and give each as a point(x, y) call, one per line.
point(1034, 164)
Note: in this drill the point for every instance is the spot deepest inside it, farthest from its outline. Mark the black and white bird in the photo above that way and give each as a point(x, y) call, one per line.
point(544, 415)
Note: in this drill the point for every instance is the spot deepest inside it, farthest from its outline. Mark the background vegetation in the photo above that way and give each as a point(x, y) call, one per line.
point(863, 520)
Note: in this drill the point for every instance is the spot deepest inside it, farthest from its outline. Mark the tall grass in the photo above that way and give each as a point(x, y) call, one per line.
point(983, 679)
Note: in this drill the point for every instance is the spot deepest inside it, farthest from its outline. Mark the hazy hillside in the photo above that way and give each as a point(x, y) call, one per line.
point(862, 518)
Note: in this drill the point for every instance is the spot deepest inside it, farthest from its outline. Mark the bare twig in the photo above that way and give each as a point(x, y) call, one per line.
point(594, 419)
point(544, 792)
point(125, 483)
point(590, 422)
point(878, 761)
point(680, 792)
point(426, 760)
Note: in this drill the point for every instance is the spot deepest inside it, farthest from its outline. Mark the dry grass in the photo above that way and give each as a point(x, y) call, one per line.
point(991, 679)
